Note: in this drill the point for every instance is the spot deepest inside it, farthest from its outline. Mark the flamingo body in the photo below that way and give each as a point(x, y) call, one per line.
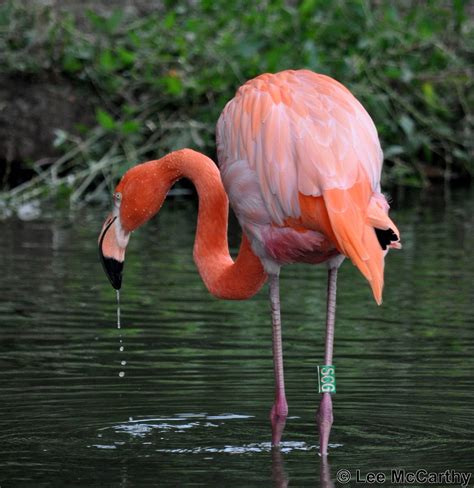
point(301, 162)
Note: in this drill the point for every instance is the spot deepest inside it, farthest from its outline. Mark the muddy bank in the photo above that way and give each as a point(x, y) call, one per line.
point(33, 107)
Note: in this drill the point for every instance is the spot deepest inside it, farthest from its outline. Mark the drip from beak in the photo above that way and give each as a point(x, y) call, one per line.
point(111, 254)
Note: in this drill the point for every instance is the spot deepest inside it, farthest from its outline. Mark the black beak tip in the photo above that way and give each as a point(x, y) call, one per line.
point(113, 270)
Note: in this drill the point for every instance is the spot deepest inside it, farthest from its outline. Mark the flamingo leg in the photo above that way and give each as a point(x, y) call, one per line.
point(324, 416)
point(279, 410)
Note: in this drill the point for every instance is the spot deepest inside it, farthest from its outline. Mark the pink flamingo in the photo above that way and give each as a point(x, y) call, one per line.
point(300, 162)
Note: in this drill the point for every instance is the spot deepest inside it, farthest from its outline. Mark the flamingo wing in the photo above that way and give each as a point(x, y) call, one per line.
point(317, 159)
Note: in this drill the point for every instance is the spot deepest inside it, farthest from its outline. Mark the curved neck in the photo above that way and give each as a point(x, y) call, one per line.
point(223, 277)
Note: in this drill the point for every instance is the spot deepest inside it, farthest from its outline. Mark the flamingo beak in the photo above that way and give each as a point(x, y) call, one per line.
point(112, 244)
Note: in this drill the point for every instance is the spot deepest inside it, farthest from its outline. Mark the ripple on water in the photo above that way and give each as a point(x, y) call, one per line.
point(254, 447)
point(143, 427)
point(146, 427)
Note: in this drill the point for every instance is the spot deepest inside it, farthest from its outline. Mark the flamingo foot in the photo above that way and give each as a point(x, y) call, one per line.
point(278, 416)
point(324, 419)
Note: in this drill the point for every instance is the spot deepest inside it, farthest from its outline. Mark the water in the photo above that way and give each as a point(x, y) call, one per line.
point(192, 409)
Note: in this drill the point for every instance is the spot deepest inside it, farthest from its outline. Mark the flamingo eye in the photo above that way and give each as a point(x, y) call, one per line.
point(117, 197)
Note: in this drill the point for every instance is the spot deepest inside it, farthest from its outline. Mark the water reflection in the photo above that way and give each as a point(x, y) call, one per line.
point(325, 473)
point(279, 476)
point(281, 479)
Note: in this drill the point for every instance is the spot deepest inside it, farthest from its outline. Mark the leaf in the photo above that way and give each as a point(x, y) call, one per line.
point(393, 72)
point(127, 57)
point(81, 128)
point(130, 127)
point(173, 84)
point(459, 9)
point(60, 137)
point(71, 64)
point(129, 109)
point(169, 20)
point(135, 39)
point(407, 124)
point(107, 60)
point(105, 119)
point(425, 29)
point(461, 155)
point(307, 7)
point(97, 20)
point(105, 24)
point(407, 74)
point(428, 92)
point(393, 151)
point(114, 21)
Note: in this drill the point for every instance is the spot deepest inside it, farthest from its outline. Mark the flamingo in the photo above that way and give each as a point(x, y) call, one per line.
point(300, 162)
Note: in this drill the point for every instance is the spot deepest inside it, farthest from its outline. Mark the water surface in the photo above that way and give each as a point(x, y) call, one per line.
point(192, 408)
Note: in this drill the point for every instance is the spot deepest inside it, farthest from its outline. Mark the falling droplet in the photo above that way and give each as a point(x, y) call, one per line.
point(121, 347)
point(130, 419)
point(118, 309)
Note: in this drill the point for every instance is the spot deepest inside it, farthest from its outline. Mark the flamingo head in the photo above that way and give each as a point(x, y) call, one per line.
point(137, 197)
point(113, 240)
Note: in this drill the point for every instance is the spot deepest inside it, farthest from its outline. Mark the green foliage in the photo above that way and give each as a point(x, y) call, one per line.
point(162, 79)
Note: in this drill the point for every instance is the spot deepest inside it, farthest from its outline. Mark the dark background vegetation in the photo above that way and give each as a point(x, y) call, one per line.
point(88, 89)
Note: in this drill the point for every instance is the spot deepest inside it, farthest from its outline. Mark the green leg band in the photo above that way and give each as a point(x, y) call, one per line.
point(326, 379)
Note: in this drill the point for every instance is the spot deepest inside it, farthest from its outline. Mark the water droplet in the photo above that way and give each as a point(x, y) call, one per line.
point(118, 309)
point(130, 419)
point(121, 348)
